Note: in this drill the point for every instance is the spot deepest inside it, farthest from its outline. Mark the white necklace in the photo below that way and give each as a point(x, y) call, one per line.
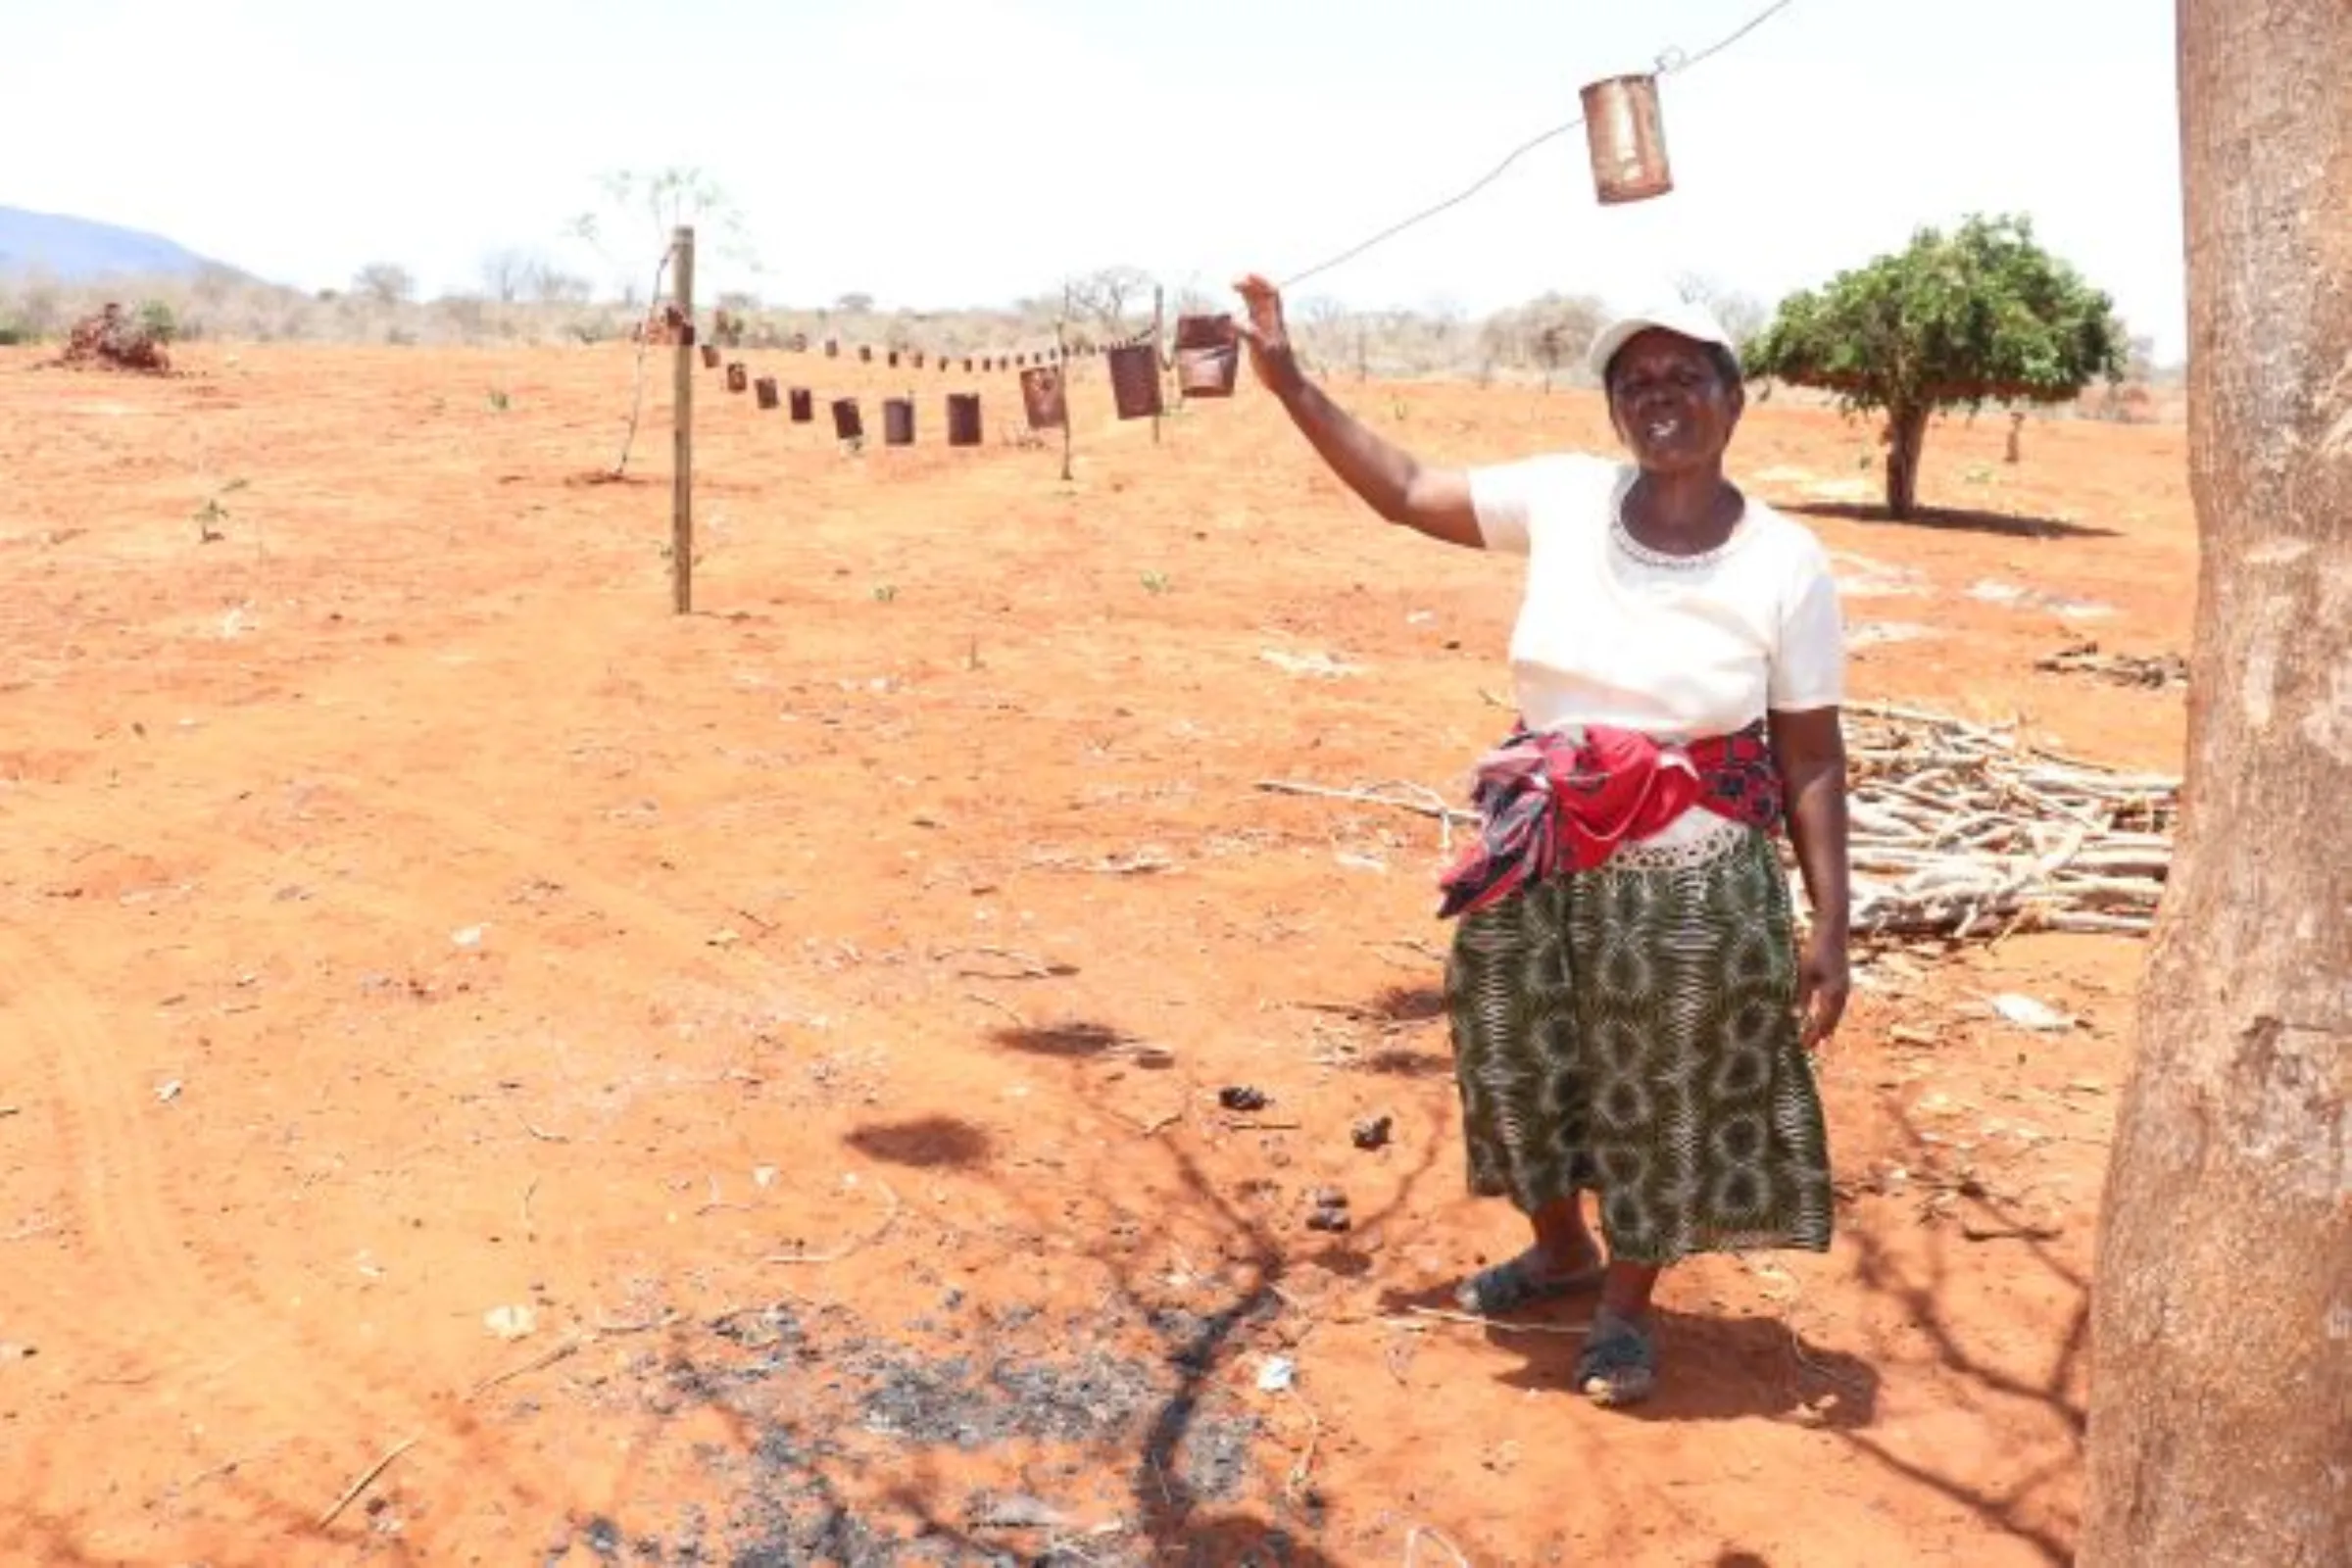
point(1622, 536)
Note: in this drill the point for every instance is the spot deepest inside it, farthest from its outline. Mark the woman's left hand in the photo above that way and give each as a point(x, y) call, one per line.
point(1823, 983)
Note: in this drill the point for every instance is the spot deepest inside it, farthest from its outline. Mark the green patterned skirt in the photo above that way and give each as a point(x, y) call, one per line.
point(1633, 1032)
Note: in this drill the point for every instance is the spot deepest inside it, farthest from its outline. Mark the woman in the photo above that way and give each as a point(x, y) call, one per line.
point(1631, 1014)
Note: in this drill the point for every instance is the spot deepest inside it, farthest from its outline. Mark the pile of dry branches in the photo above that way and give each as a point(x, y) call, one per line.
point(113, 339)
point(1961, 829)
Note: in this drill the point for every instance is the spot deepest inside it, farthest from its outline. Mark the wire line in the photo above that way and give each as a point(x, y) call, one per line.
point(1668, 63)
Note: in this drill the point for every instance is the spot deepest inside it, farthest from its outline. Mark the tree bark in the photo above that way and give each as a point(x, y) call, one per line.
point(2221, 1420)
point(1906, 435)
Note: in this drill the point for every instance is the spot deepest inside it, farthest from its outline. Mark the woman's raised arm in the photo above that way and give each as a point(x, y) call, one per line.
point(1391, 480)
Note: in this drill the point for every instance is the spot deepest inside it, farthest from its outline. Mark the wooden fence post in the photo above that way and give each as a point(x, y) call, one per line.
point(1061, 378)
point(681, 492)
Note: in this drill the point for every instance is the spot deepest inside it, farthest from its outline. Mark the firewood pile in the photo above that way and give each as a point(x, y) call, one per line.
point(1962, 830)
point(115, 340)
point(1955, 830)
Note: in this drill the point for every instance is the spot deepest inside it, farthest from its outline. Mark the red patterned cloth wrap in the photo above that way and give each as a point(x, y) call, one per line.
point(1552, 802)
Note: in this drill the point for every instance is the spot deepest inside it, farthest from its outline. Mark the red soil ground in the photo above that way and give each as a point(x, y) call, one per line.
point(814, 1008)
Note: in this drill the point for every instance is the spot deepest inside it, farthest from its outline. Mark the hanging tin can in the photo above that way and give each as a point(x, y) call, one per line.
point(804, 405)
point(898, 421)
point(832, 348)
point(766, 388)
point(709, 356)
point(1626, 137)
point(1135, 380)
point(1041, 399)
point(1208, 355)
point(738, 378)
point(963, 419)
point(847, 424)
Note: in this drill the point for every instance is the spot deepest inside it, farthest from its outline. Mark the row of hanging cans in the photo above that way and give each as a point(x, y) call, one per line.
point(1208, 360)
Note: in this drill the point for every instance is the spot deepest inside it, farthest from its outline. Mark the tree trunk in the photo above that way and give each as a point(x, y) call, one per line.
point(1906, 434)
point(2221, 1421)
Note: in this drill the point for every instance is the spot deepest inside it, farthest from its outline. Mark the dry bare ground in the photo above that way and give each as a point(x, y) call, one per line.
point(801, 1024)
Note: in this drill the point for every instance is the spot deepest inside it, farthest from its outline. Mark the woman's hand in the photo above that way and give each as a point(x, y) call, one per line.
point(1809, 749)
point(1268, 336)
point(1823, 983)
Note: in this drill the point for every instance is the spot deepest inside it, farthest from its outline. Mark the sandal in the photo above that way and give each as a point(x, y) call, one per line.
point(1515, 1282)
point(1619, 1365)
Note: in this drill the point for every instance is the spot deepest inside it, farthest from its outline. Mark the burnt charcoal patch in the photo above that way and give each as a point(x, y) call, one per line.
point(1112, 1435)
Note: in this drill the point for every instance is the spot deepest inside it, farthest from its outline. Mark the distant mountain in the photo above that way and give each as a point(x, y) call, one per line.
point(74, 249)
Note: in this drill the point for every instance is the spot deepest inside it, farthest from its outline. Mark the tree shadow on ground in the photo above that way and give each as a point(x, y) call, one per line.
point(1979, 1206)
point(926, 1142)
point(1953, 520)
point(1081, 1040)
point(1254, 1282)
point(1721, 1367)
point(1409, 1003)
point(1402, 1061)
point(1393, 1010)
point(1710, 1368)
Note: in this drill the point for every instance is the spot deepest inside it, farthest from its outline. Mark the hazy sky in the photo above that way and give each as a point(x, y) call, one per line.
point(947, 152)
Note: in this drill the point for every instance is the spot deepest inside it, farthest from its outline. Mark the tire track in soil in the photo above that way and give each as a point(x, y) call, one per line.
point(239, 1324)
point(121, 1225)
point(209, 1320)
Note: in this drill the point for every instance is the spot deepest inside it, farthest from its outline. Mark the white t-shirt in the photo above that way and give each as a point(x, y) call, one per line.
point(1678, 648)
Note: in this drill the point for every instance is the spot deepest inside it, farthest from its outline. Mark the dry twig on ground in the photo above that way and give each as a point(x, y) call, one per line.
point(351, 1492)
point(1420, 1533)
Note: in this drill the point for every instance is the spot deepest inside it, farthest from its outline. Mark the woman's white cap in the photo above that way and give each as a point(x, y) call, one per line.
point(1681, 317)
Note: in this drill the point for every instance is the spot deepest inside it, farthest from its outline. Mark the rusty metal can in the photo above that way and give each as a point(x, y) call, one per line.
point(1625, 137)
point(1135, 380)
point(898, 421)
point(1043, 399)
point(709, 356)
point(766, 387)
point(1208, 356)
point(804, 404)
point(738, 378)
point(963, 419)
point(848, 425)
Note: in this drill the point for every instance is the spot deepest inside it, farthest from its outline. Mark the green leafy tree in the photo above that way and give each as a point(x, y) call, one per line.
point(1983, 314)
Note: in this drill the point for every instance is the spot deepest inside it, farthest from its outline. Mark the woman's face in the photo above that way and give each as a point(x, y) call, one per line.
point(1670, 405)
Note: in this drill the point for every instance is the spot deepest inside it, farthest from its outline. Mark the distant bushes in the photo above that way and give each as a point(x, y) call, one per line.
point(1537, 344)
